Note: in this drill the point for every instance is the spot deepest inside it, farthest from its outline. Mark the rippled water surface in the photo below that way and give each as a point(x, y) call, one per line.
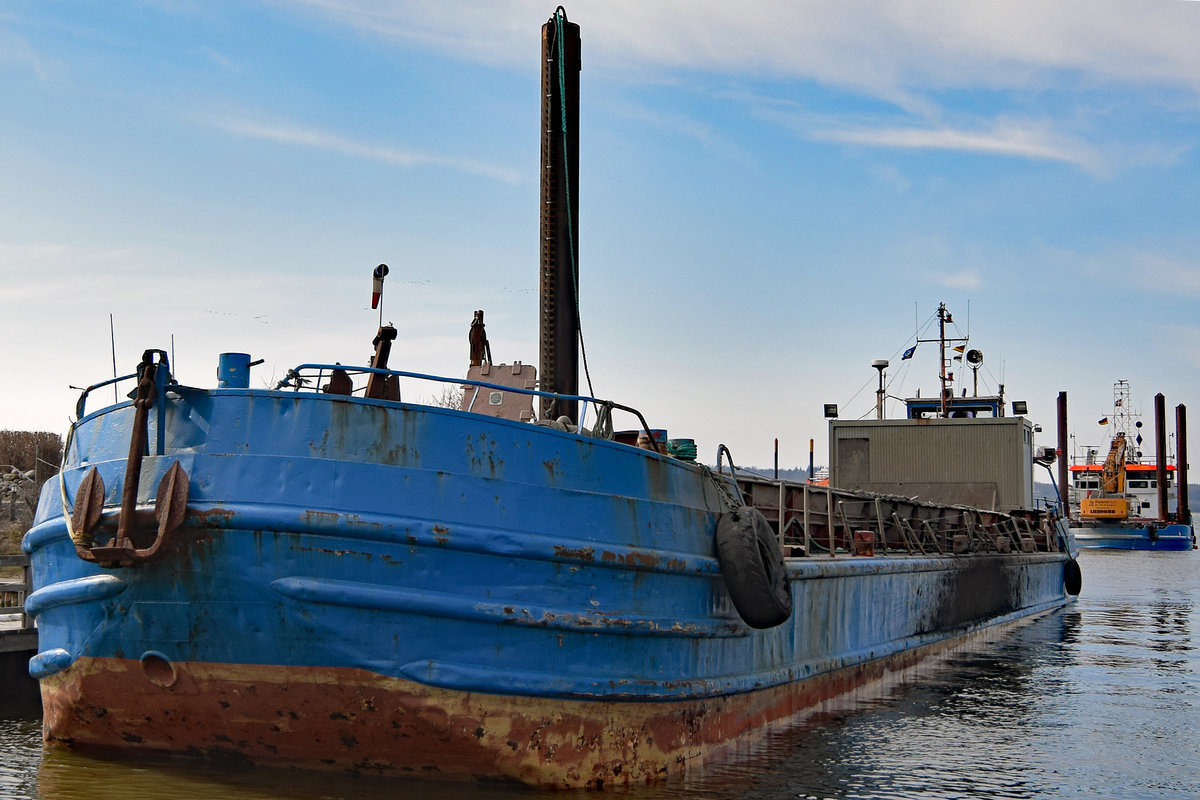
point(1100, 700)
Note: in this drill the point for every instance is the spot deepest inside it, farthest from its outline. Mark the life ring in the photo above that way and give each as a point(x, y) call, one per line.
point(1072, 577)
point(752, 565)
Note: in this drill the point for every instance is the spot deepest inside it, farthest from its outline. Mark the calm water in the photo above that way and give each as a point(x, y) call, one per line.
point(1100, 700)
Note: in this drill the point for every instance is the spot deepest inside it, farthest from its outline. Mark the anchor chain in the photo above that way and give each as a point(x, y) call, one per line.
point(732, 500)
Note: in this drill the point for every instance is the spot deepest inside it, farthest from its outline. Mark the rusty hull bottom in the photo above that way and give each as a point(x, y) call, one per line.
point(360, 722)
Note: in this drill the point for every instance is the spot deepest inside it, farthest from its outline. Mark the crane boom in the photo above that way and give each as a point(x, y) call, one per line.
point(1113, 475)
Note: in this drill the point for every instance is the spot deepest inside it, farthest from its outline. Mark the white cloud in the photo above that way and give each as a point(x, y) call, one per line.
point(676, 124)
point(47, 269)
point(884, 47)
point(907, 53)
point(966, 279)
point(1184, 341)
point(1029, 141)
point(16, 50)
point(332, 142)
point(1134, 271)
point(891, 176)
point(1172, 274)
point(221, 60)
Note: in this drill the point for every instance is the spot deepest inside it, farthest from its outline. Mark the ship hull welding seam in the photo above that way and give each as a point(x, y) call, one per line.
point(384, 578)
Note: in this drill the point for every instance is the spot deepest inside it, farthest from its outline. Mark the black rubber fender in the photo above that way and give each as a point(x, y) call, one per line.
point(1072, 577)
point(752, 565)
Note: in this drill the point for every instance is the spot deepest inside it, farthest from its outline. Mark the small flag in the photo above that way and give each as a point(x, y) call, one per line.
point(1104, 421)
point(377, 284)
point(957, 358)
point(909, 353)
point(960, 348)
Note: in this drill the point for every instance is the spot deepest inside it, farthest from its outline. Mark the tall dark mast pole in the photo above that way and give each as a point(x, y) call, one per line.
point(559, 316)
point(1183, 504)
point(1160, 452)
point(1063, 474)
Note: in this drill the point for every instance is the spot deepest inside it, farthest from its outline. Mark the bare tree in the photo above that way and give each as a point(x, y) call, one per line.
point(27, 460)
point(450, 397)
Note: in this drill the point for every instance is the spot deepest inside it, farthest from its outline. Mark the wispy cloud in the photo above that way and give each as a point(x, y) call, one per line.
point(1005, 139)
point(221, 60)
point(917, 56)
point(16, 50)
point(880, 47)
point(677, 124)
point(1184, 341)
point(1041, 139)
point(889, 175)
point(1149, 269)
point(332, 142)
point(966, 279)
point(1133, 271)
point(49, 263)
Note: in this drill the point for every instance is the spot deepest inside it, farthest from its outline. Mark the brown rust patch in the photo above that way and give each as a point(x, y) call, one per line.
point(217, 517)
point(332, 552)
point(635, 558)
point(577, 554)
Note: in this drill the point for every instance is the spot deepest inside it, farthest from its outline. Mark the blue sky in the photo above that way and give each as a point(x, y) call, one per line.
point(773, 195)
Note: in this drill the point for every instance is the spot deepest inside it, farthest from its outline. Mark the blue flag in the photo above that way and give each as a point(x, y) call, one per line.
point(909, 353)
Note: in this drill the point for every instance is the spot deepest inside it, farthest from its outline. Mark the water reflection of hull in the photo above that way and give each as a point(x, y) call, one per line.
point(877, 742)
point(1136, 536)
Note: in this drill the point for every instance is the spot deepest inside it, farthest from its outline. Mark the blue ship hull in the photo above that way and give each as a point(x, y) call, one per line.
point(372, 585)
point(1136, 536)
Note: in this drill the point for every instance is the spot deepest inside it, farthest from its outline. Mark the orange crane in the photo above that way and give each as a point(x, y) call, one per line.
point(1112, 504)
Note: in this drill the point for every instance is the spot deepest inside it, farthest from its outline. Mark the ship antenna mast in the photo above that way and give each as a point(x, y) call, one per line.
point(942, 351)
point(944, 316)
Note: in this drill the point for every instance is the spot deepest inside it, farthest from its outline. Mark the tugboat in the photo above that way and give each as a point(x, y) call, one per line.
point(1128, 501)
point(335, 574)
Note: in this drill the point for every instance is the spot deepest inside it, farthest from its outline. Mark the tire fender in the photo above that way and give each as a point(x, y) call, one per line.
point(752, 565)
point(1072, 578)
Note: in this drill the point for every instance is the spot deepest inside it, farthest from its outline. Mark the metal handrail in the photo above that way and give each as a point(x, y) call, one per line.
point(295, 381)
point(300, 383)
point(82, 401)
point(823, 518)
